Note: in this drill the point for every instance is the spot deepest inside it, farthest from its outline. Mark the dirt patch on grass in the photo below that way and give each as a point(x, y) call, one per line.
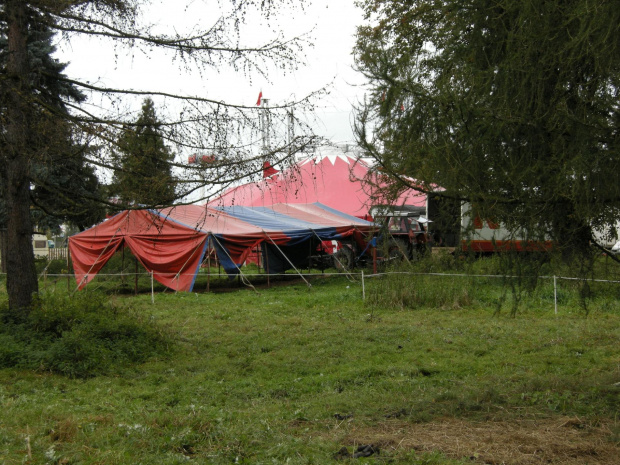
point(567, 441)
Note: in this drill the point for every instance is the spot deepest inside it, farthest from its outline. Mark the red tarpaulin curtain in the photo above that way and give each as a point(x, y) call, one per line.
point(171, 251)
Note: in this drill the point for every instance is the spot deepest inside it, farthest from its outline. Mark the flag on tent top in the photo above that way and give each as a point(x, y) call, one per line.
point(268, 170)
point(260, 97)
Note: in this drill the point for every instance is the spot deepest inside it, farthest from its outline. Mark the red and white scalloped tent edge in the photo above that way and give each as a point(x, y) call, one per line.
point(336, 180)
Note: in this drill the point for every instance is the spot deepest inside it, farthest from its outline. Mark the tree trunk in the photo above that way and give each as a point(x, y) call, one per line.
point(21, 272)
point(3, 250)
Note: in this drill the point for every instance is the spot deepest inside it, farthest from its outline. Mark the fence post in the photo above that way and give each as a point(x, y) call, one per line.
point(555, 294)
point(363, 287)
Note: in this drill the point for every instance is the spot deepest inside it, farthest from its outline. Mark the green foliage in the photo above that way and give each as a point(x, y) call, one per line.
point(144, 174)
point(57, 267)
point(503, 282)
point(123, 261)
point(59, 172)
point(50, 266)
point(510, 105)
point(78, 337)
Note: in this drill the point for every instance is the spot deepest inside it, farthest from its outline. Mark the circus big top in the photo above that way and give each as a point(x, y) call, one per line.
point(332, 176)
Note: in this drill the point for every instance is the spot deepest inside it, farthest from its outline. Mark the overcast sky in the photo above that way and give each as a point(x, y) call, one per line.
point(332, 24)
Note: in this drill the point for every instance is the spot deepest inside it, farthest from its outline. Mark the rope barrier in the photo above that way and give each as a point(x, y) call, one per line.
point(363, 276)
point(314, 275)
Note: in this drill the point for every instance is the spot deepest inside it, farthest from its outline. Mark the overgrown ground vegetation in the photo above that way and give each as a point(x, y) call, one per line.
point(428, 370)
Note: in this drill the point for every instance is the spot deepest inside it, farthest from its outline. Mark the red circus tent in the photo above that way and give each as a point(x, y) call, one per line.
point(336, 180)
point(171, 243)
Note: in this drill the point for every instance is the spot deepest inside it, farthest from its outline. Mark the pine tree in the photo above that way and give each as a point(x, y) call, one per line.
point(59, 169)
point(511, 106)
point(144, 175)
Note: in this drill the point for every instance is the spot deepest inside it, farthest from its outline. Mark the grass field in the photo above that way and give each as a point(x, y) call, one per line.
point(425, 371)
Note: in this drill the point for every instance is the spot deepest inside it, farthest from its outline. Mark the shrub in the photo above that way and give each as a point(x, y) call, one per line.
point(57, 267)
point(39, 264)
point(79, 337)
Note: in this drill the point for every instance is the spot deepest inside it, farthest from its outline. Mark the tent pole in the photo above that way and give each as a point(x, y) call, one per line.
point(178, 275)
point(135, 286)
point(267, 268)
point(245, 280)
point(374, 260)
point(208, 269)
point(152, 288)
point(284, 255)
point(309, 255)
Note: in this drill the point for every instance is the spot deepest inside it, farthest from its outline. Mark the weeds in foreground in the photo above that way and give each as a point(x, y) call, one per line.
point(446, 282)
point(78, 337)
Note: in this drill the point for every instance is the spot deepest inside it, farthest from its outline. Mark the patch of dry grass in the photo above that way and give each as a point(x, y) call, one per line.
point(567, 441)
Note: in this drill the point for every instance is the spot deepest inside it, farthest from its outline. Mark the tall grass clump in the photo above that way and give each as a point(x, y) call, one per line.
point(409, 290)
point(80, 336)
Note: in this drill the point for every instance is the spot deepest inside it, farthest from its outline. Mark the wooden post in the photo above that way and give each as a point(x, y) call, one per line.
point(363, 287)
point(555, 294)
point(267, 266)
point(68, 272)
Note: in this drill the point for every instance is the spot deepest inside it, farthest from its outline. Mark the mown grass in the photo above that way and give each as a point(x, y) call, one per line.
point(292, 375)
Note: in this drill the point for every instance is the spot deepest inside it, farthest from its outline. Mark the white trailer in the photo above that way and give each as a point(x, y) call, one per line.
point(40, 246)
